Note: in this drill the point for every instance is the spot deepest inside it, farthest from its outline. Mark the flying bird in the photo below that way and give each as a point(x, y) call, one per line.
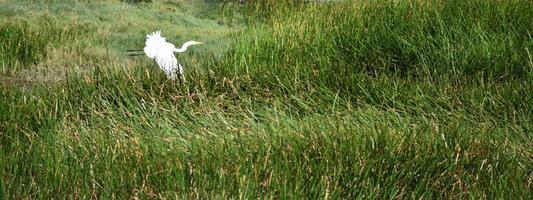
point(162, 52)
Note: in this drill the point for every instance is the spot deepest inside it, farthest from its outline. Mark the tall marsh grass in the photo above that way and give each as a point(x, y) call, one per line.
point(363, 99)
point(24, 44)
point(333, 44)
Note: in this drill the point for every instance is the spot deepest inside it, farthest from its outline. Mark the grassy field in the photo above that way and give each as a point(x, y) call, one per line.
point(286, 99)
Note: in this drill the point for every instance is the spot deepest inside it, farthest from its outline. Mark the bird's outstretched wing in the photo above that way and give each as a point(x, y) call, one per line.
point(154, 43)
point(162, 52)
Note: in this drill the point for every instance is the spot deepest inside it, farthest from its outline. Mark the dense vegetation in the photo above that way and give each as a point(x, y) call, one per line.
point(287, 99)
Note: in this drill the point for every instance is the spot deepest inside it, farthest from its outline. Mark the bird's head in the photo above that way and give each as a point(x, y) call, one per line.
point(196, 43)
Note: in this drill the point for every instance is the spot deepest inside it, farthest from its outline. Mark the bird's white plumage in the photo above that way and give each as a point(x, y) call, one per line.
point(162, 52)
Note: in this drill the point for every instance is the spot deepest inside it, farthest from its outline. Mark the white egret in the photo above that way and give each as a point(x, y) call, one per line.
point(162, 52)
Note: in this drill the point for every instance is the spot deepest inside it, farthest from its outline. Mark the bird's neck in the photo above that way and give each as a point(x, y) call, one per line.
point(184, 46)
point(182, 49)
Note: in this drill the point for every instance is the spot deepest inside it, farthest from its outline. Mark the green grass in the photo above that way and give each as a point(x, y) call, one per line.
point(404, 99)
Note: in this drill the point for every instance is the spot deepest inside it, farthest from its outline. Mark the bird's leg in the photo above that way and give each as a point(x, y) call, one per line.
point(161, 88)
point(182, 83)
point(181, 79)
point(134, 52)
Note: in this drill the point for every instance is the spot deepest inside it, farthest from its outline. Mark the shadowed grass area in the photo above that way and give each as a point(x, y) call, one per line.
point(404, 99)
